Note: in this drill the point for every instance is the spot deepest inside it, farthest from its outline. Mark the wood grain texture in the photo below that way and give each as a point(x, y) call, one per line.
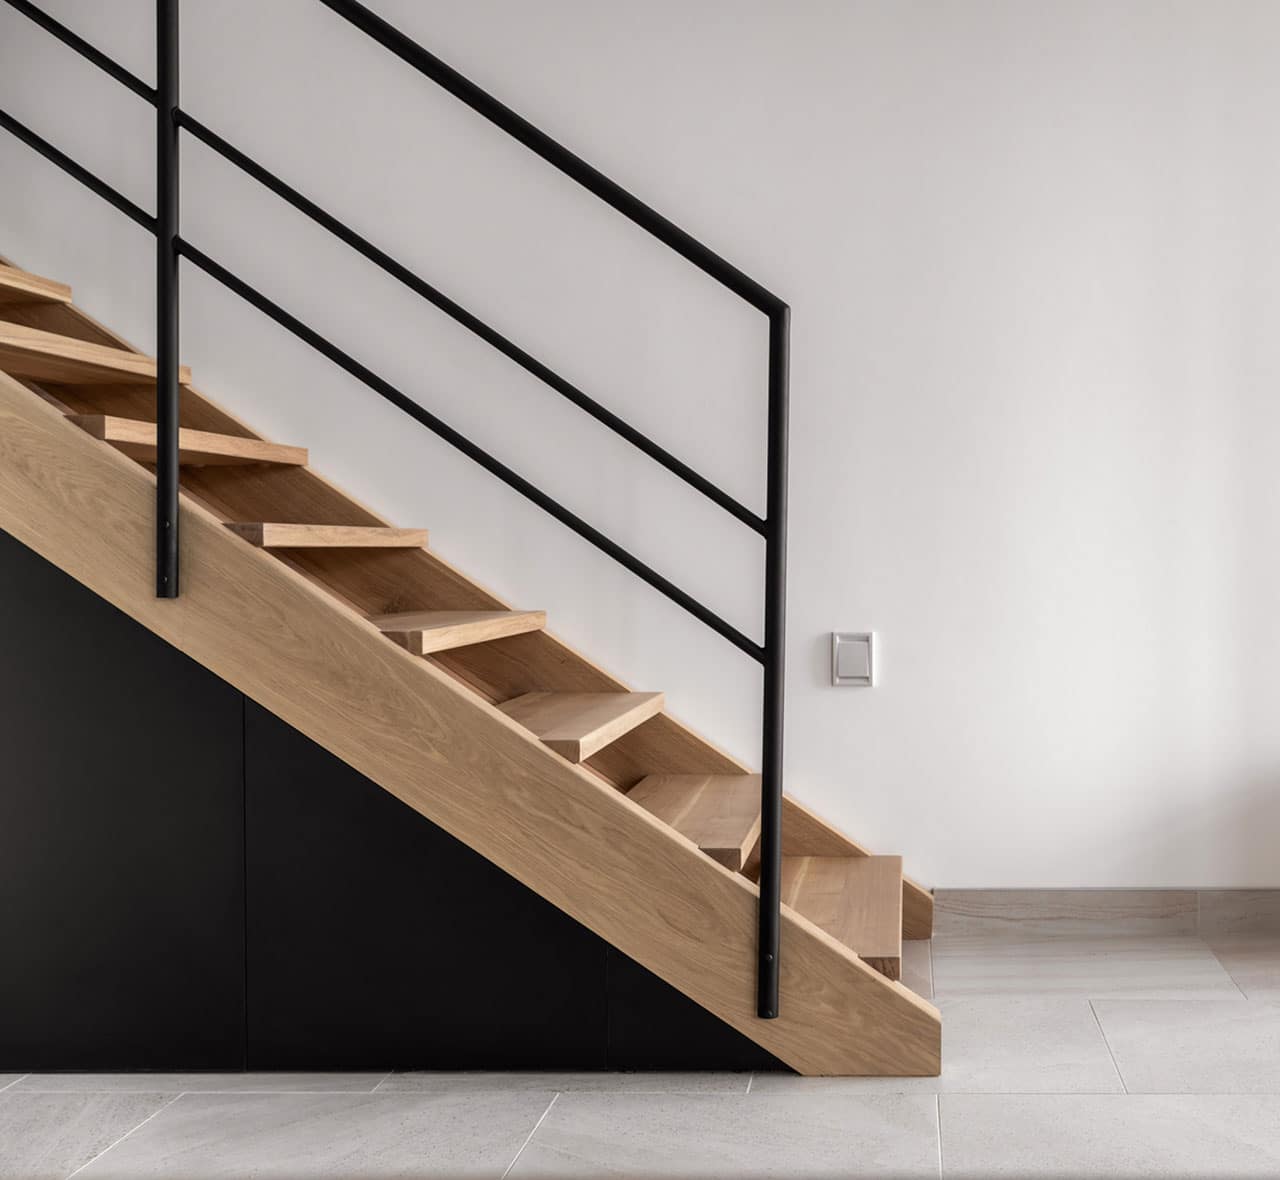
point(199, 448)
point(424, 632)
point(855, 899)
point(272, 535)
point(18, 286)
point(46, 356)
point(804, 833)
point(578, 724)
point(378, 582)
point(575, 840)
point(720, 813)
point(917, 911)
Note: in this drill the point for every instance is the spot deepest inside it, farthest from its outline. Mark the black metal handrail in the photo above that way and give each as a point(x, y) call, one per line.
point(473, 323)
point(170, 120)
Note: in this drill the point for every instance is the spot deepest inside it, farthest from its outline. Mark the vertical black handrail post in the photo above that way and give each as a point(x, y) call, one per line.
point(775, 661)
point(166, 299)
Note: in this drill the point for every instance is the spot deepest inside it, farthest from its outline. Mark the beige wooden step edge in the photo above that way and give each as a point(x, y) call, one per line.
point(720, 813)
point(20, 286)
point(424, 632)
point(579, 724)
point(48, 356)
point(137, 439)
point(270, 535)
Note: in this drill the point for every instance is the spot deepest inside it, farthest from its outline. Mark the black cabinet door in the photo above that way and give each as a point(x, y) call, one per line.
point(121, 838)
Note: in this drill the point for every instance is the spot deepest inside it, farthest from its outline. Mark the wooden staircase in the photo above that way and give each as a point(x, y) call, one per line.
point(356, 633)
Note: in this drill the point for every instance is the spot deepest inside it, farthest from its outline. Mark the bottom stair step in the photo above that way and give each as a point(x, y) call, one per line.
point(855, 899)
point(720, 813)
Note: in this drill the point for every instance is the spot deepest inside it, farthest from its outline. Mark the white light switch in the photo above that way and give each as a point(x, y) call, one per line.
point(853, 658)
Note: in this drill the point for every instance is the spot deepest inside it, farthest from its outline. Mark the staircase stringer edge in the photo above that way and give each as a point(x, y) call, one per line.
point(804, 831)
point(576, 841)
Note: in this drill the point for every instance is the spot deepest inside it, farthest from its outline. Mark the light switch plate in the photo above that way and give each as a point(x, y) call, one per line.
point(853, 658)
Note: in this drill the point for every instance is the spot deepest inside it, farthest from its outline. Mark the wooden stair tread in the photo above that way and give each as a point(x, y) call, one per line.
point(270, 535)
point(197, 448)
point(47, 356)
point(423, 632)
point(855, 899)
point(720, 813)
point(18, 286)
point(578, 724)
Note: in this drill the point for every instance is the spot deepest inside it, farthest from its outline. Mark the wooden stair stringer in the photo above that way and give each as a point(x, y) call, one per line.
point(375, 585)
point(326, 671)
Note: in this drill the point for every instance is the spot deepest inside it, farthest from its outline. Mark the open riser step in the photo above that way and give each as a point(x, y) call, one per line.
point(469, 711)
point(197, 448)
point(49, 356)
point(17, 288)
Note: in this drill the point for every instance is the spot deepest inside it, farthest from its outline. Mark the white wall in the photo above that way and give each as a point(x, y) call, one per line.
point(1033, 255)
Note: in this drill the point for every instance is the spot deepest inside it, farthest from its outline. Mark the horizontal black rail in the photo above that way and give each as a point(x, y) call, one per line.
point(404, 275)
point(84, 49)
point(438, 426)
point(395, 396)
point(433, 295)
point(555, 154)
point(83, 175)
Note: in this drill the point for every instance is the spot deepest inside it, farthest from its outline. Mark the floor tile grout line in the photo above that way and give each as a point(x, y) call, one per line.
point(159, 1110)
point(554, 1099)
point(13, 1083)
point(937, 1109)
point(1218, 959)
point(1102, 1032)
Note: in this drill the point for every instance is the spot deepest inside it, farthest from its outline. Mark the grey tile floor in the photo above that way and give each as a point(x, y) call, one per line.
point(1149, 1054)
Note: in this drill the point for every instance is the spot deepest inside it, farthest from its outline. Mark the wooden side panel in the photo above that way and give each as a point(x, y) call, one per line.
point(388, 582)
point(394, 717)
